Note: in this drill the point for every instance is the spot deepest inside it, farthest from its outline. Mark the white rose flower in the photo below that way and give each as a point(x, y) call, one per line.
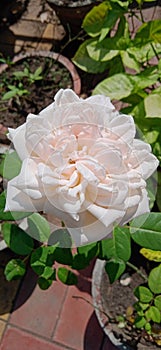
point(82, 163)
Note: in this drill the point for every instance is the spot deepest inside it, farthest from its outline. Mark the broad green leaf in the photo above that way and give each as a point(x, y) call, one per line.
point(84, 255)
point(89, 251)
point(153, 106)
point(38, 227)
point(45, 280)
point(129, 61)
point(42, 257)
point(146, 230)
point(106, 249)
point(150, 31)
point(116, 87)
point(140, 322)
point(154, 280)
point(8, 216)
point(154, 255)
point(157, 302)
point(144, 52)
point(61, 238)
point(17, 239)
point(153, 314)
point(145, 79)
point(14, 269)
point(63, 256)
point(122, 243)
point(12, 165)
point(114, 269)
point(66, 276)
point(143, 294)
point(84, 61)
point(102, 51)
point(94, 21)
point(118, 247)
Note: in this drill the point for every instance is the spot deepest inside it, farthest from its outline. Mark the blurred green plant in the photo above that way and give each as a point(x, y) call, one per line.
point(132, 59)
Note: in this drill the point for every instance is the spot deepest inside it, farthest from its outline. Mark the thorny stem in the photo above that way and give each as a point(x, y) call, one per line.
point(137, 270)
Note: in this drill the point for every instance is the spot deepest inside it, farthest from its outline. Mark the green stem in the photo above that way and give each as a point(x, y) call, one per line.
point(137, 270)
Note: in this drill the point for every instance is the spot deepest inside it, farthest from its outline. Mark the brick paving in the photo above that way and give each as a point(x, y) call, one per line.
point(61, 317)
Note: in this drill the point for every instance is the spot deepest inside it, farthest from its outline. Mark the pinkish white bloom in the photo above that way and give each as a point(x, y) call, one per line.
point(82, 163)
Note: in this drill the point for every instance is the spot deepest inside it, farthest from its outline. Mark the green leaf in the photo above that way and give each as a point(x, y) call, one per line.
point(12, 165)
point(42, 257)
point(63, 256)
point(89, 251)
point(17, 239)
point(66, 276)
point(61, 238)
point(143, 306)
point(157, 302)
point(153, 106)
point(38, 227)
point(153, 314)
point(9, 95)
point(14, 269)
point(153, 255)
point(94, 21)
point(106, 249)
point(85, 62)
point(129, 61)
point(146, 230)
point(46, 279)
point(114, 269)
point(140, 322)
point(143, 294)
point(118, 247)
point(37, 72)
point(154, 280)
point(116, 87)
point(150, 31)
point(122, 243)
point(8, 216)
point(84, 256)
point(102, 51)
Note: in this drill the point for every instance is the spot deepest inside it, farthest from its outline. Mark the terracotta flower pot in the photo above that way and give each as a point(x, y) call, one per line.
point(55, 56)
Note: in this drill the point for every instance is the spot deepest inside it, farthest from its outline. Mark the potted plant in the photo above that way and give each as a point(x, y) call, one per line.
point(31, 80)
point(71, 13)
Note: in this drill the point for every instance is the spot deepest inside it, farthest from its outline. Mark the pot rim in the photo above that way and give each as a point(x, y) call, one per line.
point(55, 56)
point(99, 310)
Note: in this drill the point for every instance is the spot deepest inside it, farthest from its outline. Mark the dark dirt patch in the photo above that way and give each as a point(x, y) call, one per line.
point(39, 93)
point(116, 298)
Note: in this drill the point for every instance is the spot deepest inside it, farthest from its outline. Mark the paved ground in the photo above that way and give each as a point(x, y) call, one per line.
point(62, 317)
point(57, 319)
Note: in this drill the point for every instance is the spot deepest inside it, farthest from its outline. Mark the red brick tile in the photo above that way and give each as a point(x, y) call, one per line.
point(78, 326)
point(107, 345)
point(37, 310)
point(15, 339)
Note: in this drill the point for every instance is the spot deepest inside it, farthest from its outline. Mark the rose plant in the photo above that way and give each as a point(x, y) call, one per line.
point(80, 161)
